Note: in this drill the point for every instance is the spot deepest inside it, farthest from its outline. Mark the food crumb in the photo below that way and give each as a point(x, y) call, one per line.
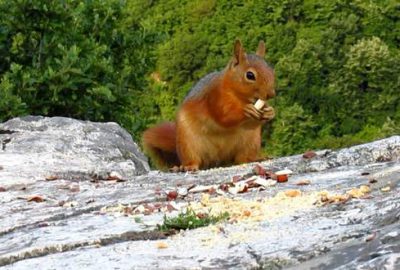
point(161, 245)
point(292, 193)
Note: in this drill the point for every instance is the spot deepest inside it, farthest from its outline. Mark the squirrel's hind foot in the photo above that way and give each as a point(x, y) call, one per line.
point(188, 168)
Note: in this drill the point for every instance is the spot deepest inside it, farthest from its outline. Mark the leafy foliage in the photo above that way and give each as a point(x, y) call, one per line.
point(80, 59)
point(134, 61)
point(293, 130)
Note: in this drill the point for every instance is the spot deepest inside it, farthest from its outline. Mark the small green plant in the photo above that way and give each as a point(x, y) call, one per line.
point(190, 220)
point(138, 220)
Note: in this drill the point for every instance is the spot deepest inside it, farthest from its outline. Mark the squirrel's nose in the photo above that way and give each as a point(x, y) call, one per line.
point(271, 94)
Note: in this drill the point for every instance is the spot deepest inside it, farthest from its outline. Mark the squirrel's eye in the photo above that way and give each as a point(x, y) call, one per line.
point(250, 76)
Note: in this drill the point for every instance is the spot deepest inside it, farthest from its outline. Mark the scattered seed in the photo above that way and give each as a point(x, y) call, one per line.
point(285, 171)
point(61, 203)
point(372, 181)
point(324, 198)
point(172, 195)
point(265, 183)
point(202, 215)
point(224, 187)
point(367, 197)
point(246, 213)
point(365, 189)
point(201, 188)
point(35, 198)
point(259, 170)
point(140, 209)
point(212, 191)
point(74, 187)
point(90, 201)
point(370, 237)
point(70, 204)
point(161, 245)
point(273, 176)
point(386, 189)
point(303, 182)
point(309, 154)
point(282, 178)
point(283, 175)
point(51, 177)
point(292, 193)
point(240, 187)
point(182, 191)
point(359, 192)
point(236, 178)
point(115, 176)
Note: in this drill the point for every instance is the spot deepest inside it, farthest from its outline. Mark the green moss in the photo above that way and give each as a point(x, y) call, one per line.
point(190, 220)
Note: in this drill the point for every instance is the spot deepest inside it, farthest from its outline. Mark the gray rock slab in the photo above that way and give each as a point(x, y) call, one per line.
point(323, 238)
point(69, 231)
point(35, 147)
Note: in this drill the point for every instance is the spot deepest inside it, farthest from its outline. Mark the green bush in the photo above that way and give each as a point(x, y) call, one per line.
point(336, 62)
point(369, 85)
point(293, 130)
point(10, 104)
point(82, 59)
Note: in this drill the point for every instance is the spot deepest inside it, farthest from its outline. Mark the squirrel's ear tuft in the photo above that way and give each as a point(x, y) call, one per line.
point(261, 49)
point(239, 55)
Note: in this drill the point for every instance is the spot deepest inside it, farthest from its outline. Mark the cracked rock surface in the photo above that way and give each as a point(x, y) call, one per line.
point(36, 147)
point(55, 183)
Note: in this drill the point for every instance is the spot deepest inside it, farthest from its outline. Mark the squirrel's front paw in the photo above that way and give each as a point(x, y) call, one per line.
point(251, 112)
point(268, 113)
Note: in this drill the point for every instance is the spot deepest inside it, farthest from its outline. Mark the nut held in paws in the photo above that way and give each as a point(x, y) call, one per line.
point(259, 104)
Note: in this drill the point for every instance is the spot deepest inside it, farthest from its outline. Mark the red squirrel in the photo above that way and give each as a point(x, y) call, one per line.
point(217, 124)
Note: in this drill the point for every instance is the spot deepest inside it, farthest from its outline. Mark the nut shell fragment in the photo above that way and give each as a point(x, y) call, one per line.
point(282, 178)
point(309, 154)
point(35, 198)
point(265, 183)
point(285, 171)
point(201, 188)
point(303, 182)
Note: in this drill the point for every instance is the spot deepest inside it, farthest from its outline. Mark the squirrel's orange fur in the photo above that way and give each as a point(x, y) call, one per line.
point(217, 123)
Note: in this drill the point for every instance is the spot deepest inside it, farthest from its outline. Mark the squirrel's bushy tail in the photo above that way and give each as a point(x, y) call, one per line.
point(159, 142)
